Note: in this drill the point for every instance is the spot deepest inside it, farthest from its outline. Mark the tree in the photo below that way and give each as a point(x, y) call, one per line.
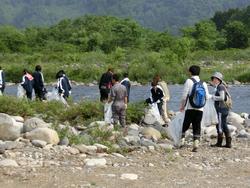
point(236, 35)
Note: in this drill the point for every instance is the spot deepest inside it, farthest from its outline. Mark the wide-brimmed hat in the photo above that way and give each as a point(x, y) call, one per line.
point(217, 75)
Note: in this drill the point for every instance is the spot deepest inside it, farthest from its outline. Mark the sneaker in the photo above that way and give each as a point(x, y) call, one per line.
point(195, 146)
point(182, 143)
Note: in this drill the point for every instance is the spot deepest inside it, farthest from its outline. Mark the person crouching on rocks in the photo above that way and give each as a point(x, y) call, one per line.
point(221, 109)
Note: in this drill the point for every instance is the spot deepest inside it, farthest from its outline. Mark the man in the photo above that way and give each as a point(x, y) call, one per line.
point(126, 83)
point(62, 84)
point(105, 85)
point(39, 83)
point(165, 98)
point(193, 114)
point(118, 96)
point(2, 81)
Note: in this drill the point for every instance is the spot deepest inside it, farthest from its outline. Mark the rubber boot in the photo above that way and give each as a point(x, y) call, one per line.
point(219, 141)
point(228, 141)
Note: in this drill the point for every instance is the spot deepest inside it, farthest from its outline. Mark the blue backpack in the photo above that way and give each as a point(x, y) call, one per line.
point(197, 98)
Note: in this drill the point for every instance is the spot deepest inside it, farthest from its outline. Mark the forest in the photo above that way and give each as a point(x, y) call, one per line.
point(86, 46)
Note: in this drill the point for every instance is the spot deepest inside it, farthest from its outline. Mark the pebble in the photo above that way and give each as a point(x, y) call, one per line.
point(129, 176)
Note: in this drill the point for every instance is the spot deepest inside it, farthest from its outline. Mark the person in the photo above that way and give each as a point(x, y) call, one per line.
point(39, 83)
point(156, 96)
point(118, 96)
point(126, 83)
point(222, 110)
point(2, 81)
point(192, 115)
point(67, 81)
point(62, 84)
point(166, 97)
point(105, 85)
point(27, 83)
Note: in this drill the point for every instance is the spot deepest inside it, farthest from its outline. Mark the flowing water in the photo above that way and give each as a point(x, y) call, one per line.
point(240, 95)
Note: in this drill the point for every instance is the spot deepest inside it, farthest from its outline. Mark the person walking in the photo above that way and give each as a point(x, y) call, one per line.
point(194, 112)
point(105, 85)
point(27, 83)
point(2, 81)
point(118, 96)
point(62, 84)
point(222, 110)
point(126, 83)
point(39, 83)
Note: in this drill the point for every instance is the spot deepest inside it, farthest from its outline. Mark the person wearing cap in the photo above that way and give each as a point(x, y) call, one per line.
point(221, 109)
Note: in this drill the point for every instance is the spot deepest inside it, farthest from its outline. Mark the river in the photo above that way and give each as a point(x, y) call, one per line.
point(240, 95)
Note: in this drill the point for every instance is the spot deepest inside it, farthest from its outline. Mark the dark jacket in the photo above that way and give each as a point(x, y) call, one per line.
point(106, 81)
point(2, 80)
point(38, 81)
point(27, 83)
point(157, 94)
point(68, 82)
point(127, 84)
point(63, 86)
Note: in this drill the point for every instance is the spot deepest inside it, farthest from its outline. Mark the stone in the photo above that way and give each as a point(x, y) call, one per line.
point(33, 123)
point(236, 120)
point(247, 123)
point(9, 145)
point(166, 146)
point(129, 176)
point(73, 151)
point(244, 115)
point(46, 134)
point(99, 124)
point(150, 132)
point(86, 149)
point(64, 141)
point(8, 163)
point(95, 162)
point(131, 139)
point(210, 132)
point(9, 128)
point(133, 127)
point(147, 142)
point(39, 143)
point(18, 119)
point(118, 155)
point(243, 134)
point(101, 148)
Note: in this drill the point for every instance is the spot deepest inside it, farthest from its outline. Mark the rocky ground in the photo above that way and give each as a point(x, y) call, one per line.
point(64, 166)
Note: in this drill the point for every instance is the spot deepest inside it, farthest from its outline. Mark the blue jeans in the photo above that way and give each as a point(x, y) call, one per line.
point(222, 127)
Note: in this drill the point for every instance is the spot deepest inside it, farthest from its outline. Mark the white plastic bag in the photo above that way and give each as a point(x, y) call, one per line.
point(55, 96)
point(209, 114)
point(108, 113)
point(21, 93)
point(175, 128)
point(152, 115)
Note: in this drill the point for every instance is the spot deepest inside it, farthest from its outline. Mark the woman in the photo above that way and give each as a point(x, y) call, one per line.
point(27, 83)
point(62, 84)
point(222, 110)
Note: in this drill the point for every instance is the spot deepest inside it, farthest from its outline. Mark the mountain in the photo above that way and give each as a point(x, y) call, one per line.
point(160, 15)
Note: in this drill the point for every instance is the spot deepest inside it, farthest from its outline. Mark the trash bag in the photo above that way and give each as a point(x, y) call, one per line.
point(55, 96)
point(175, 128)
point(21, 93)
point(108, 113)
point(209, 114)
point(152, 115)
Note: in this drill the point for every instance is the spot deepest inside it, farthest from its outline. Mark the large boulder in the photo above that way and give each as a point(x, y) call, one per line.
point(9, 128)
point(33, 123)
point(150, 132)
point(46, 134)
point(236, 120)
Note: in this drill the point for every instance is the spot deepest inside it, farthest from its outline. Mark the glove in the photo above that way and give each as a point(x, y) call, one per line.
point(69, 92)
point(126, 106)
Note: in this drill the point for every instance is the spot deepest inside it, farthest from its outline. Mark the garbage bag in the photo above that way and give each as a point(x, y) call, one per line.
point(108, 113)
point(175, 128)
point(55, 96)
point(152, 115)
point(209, 114)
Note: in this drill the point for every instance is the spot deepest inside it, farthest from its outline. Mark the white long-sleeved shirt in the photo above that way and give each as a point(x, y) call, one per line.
point(188, 86)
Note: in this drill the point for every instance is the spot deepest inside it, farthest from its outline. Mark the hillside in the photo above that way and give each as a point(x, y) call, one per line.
point(158, 14)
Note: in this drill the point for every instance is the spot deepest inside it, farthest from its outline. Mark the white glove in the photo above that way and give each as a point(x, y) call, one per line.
point(126, 106)
point(70, 92)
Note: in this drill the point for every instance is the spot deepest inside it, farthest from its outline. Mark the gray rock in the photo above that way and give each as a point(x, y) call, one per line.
point(64, 141)
point(133, 127)
point(18, 119)
point(129, 176)
point(247, 123)
point(86, 149)
point(236, 120)
point(9, 129)
point(147, 142)
point(95, 162)
point(33, 123)
point(132, 139)
point(39, 143)
point(243, 134)
point(9, 145)
point(133, 132)
point(8, 163)
point(48, 135)
point(166, 146)
point(150, 133)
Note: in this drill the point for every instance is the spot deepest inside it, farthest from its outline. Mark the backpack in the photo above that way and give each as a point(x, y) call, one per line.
point(228, 100)
point(197, 98)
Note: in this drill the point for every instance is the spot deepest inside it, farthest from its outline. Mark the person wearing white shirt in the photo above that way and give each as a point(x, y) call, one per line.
point(192, 115)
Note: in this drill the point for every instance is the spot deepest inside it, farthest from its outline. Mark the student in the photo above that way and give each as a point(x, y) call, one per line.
point(118, 96)
point(62, 84)
point(192, 114)
point(27, 83)
point(222, 110)
point(39, 83)
point(166, 97)
point(126, 83)
point(105, 85)
point(2, 81)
